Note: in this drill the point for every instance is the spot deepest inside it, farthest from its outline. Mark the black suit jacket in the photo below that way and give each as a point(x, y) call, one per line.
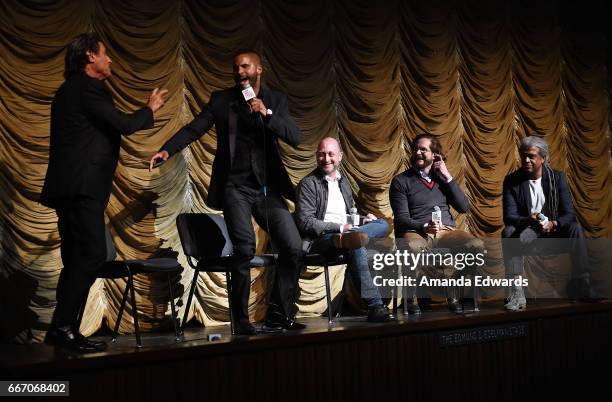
point(222, 111)
point(517, 199)
point(86, 133)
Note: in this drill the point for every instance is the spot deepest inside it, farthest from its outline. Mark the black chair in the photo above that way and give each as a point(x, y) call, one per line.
point(208, 248)
point(337, 257)
point(114, 269)
point(326, 261)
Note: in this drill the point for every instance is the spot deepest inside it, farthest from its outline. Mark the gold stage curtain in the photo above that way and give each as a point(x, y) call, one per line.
point(479, 74)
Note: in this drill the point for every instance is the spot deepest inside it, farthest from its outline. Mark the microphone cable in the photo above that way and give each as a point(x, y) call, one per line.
point(264, 135)
point(248, 93)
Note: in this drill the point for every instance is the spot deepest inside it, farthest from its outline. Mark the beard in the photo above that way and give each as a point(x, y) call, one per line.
point(422, 162)
point(328, 168)
point(243, 82)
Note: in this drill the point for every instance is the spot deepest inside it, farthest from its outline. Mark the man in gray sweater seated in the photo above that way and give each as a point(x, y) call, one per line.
point(416, 193)
point(323, 200)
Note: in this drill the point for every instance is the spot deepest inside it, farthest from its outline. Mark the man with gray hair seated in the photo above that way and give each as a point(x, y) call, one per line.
point(538, 204)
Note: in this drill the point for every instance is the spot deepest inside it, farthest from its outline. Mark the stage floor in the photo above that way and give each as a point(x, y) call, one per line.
point(39, 360)
point(549, 351)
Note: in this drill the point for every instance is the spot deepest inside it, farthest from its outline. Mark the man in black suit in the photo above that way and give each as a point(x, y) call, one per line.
point(538, 205)
point(86, 131)
point(248, 179)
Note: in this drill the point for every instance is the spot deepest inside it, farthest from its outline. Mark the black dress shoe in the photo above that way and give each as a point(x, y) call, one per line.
point(244, 328)
point(454, 306)
point(94, 343)
point(65, 337)
point(413, 308)
point(378, 313)
point(580, 289)
point(277, 325)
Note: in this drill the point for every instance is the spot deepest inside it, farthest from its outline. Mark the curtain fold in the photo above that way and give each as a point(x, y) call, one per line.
point(479, 75)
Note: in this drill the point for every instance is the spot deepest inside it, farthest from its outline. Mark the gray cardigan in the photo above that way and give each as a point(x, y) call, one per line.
point(412, 202)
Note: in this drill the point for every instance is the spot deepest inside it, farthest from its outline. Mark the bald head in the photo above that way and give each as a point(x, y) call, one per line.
point(329, 156)
point(247, 70)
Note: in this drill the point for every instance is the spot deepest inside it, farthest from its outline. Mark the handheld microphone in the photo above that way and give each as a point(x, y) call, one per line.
point(543, 219)
point(247, 92)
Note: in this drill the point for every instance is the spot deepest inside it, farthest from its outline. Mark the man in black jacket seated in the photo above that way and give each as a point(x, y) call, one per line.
point(86, 131)
point(538, 204)
point(248, 179)
point(323, 201)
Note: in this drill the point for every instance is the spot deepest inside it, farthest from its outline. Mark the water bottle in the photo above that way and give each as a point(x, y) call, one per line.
point(354, 217)
point(436, 215)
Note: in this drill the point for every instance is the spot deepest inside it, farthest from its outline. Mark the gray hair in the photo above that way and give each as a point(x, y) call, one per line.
point(537, 142)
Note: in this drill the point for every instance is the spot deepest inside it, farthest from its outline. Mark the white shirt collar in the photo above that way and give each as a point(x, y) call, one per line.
point(329, 178)
point(425, 176)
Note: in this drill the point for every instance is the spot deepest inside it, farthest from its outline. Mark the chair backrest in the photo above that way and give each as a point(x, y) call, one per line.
point(204, 235)
point(111, 252)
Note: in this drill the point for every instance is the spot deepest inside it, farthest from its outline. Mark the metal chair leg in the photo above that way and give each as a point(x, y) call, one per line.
point(134, 309)
point(394, 295)
point(342, 297)
point(82, 311)
point(404, 296)
point(177, 336)
point(475, 293)
point(121, 308)
point(228, 280)
point(194, 282)
point(328, 294)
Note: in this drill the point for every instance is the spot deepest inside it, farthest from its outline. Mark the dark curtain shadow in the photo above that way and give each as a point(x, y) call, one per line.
point(17, 289)
point(16, 292)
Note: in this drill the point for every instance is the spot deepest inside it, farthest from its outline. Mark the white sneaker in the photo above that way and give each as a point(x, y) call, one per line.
point(517, 299)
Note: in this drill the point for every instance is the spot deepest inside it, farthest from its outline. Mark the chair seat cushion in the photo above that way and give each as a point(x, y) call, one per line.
point(263, 260)
point(221, 264)
point(118, 269)
point(113, 270)
point(154, 265)
point(319, 259)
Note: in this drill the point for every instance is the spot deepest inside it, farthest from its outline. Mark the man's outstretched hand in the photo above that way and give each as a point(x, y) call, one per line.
point(156, 99)
point(157, 159)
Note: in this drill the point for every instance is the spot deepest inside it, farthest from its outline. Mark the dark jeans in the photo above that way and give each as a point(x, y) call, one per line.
point(271, 213)
point(357, 259)
point(83, 248)
point(529, 241)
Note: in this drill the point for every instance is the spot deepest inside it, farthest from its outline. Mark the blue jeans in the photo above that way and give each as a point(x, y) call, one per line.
point(357, 259)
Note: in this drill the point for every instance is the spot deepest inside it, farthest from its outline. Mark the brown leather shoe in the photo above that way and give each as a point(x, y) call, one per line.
point(350, 240)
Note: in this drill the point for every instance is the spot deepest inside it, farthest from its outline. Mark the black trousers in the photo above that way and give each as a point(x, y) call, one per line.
point(83, 250)
point(530, 241)
point(271, 213)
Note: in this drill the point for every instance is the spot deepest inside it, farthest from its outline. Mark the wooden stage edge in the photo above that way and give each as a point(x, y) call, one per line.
point(432, 356)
